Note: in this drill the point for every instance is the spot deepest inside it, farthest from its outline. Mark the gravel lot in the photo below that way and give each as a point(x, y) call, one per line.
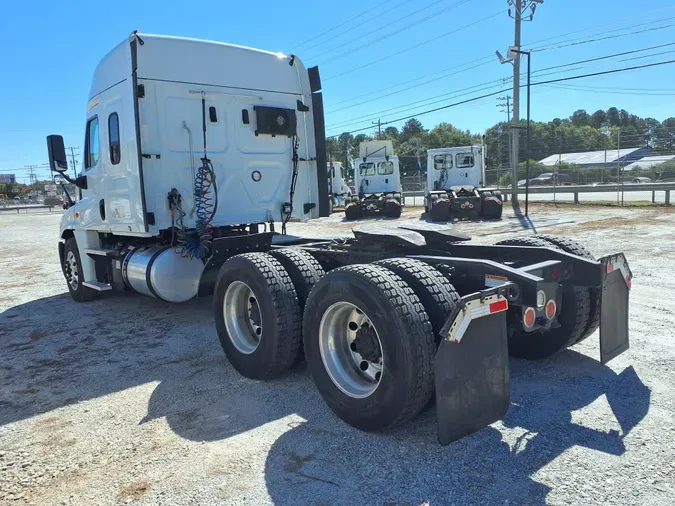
point(130, 400)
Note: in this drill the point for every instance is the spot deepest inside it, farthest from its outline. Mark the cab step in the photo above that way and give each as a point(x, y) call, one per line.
point(97, 285)
point(100, 252)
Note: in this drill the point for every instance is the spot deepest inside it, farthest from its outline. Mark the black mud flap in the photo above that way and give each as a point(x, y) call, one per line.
point(440, 210)
point(614, 307)
point(472, 376)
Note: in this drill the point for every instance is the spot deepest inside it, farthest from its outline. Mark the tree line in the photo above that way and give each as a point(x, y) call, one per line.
point(610, 129)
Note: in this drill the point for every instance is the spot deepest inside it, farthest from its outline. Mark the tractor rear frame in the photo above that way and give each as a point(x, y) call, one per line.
point(500, 291)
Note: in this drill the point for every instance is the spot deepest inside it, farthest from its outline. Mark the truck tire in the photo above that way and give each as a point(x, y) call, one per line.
point(574, 247)
point(573, 319)
point(353, 211)
point(72, 270)
point(435, 293)
point(392, 208)
point(370, 347)
point(305, 271)
point(492, 206)
point(257, 315)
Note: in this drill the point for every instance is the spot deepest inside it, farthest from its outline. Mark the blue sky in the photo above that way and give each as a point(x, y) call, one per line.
point(48, 52)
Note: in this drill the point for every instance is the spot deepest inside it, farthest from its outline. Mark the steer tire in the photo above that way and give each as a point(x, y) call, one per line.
point(78, 291)
point(279, 311)
point(573, 319)
point(406, 338)
point(305, 271)
point(574, 247)
point(435, 293)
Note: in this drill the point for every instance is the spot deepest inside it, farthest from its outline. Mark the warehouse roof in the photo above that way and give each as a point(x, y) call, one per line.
point(648, 162)
point(588, 157)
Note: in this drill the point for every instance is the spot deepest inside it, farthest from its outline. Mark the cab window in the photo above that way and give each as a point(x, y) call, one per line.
point(91, 143)
point(385, 168)
point(367, 169)
point(442, 162)
point(463, 160)
point(114, 138)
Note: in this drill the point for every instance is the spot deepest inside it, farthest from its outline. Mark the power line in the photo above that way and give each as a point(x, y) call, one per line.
point(629, 18)
point(371, 31)
point(455, 68)
point(569, 78)
point(609, 56)
point(604, 38)
point(456, 93)
point(343, 24)
point(490, 57)
point(414, 46)
point(616, 92)
point(393, 33)
point(412, 87)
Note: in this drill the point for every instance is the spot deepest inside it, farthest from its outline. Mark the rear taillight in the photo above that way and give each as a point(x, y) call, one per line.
point(529, 317)
point(551, 309)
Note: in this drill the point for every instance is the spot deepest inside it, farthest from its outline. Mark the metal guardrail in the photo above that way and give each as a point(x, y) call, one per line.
point(19, 208)
point(577, 189)
point(631, 187)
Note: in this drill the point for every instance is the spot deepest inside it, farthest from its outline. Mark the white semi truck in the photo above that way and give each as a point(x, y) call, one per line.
point(378, 182)
point(198, 153)
point(456, 185)
point(338, 189)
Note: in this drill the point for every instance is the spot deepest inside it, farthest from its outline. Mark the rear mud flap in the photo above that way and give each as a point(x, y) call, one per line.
point(614, 307)
point(472, 376)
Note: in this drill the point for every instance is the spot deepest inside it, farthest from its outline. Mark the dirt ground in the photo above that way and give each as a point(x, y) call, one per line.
point(131, 400)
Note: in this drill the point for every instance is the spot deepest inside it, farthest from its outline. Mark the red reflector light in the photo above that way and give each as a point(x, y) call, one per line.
point(529, 317)
point(554, 273)
point(500, 305)
point(551, 309)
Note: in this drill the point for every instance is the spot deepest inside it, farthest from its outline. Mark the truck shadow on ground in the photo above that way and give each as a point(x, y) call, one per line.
point(55, 352)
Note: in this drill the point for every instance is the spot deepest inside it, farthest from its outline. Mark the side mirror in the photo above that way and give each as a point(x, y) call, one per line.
point(57, 154)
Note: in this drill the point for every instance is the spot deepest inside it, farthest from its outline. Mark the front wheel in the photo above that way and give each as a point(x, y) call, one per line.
point(369, 346)
point(72, 270)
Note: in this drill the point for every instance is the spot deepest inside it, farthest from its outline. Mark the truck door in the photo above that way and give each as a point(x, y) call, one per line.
point(119, 160)
point(94, 216)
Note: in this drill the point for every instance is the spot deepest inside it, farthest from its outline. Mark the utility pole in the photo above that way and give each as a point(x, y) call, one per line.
point(515, 134)
point(516, 9)
point(72, 157)
point(379, 127)
point(507, 105)
point(31, 173)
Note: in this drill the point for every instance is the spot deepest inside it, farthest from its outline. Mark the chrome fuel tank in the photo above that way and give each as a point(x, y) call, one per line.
point(158, 271)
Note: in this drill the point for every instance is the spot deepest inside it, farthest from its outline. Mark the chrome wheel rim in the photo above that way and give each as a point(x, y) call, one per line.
point(243, 320)
point(351, 350)
point(71, 270)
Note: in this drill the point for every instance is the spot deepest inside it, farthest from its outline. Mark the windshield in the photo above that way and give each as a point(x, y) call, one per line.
point(464, 160)
point(385, 168)
point(367, 169)
point(442, 162)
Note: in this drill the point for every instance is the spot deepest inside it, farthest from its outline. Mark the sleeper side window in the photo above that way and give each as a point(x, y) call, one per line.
point(92, 144)
point(114, 138)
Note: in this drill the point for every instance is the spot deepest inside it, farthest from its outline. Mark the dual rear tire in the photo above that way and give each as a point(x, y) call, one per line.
point(369, 331)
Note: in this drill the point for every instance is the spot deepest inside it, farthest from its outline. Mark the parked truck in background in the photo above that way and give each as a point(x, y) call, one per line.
point(455, 185)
